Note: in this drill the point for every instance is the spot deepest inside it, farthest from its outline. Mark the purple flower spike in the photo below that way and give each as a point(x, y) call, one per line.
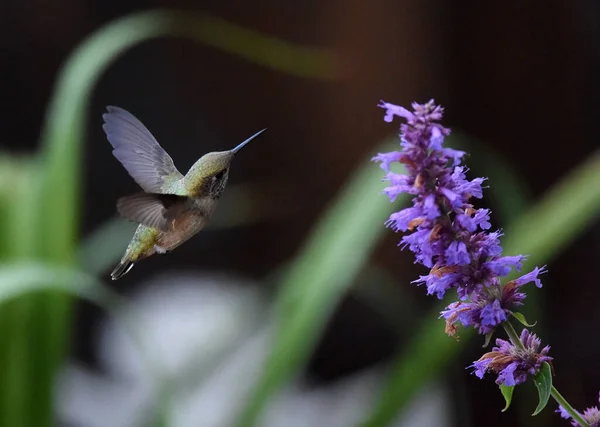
point(591, 415)
point(445, 231)
point(512, 363)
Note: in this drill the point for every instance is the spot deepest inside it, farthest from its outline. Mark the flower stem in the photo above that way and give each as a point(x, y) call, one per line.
point(512, 334)
point(567, 407)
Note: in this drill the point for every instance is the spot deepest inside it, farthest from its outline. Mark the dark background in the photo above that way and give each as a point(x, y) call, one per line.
point(521, 76)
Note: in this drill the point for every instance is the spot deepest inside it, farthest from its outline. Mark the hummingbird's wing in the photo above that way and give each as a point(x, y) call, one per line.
point(153, 210)
point(139, 152)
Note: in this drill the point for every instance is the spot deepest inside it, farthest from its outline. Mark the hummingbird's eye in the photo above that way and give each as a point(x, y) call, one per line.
point(220, 175)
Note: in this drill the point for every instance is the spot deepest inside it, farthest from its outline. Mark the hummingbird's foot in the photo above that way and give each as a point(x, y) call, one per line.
point(159, 250)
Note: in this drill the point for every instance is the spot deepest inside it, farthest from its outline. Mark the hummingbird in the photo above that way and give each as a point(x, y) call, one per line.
point(172, 207)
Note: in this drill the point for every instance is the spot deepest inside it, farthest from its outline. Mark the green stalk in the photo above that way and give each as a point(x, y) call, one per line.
point(512, 335)
point(567, 407)
point(326, 266)
point(17, 316)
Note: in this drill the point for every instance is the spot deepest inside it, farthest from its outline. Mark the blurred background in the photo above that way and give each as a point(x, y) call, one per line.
point(295, 307)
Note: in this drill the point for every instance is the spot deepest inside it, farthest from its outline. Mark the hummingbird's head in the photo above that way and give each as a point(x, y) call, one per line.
point(208, 176)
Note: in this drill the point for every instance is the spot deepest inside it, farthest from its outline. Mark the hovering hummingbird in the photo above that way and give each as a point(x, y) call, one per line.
point(172, 208)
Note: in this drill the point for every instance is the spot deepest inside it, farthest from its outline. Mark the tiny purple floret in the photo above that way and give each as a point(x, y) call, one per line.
point(512, 363)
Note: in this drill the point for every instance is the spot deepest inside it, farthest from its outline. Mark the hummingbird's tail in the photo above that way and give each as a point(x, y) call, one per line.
point(122, 269)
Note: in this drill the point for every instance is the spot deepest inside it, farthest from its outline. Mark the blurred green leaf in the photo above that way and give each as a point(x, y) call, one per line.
point(543, 382)
point(15, 318)
point(548, 227)
point(267, 51)
point(563, 213)
point(319, 276)
point(104, 247)
point(21, 279)
point(63, 136)
point(509, 197)
point(508, 192)
point(507, 392)
point(24, 278)
point(54, 225)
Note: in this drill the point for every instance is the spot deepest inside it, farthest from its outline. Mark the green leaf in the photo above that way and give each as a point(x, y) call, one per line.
point(102, 248)
point(521, 318)
point(563, 213)
point(543, 382)
point(63, 134)
point(316, 280)
point(488, 338)
point(16, 353)
point(55, 217)
point(26, 279)
point(556, 220)
point(507, 392)
point(271, 52)
point(508, 192)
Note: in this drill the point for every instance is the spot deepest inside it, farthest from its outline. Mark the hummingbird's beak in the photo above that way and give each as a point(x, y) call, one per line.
point(240, 146)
